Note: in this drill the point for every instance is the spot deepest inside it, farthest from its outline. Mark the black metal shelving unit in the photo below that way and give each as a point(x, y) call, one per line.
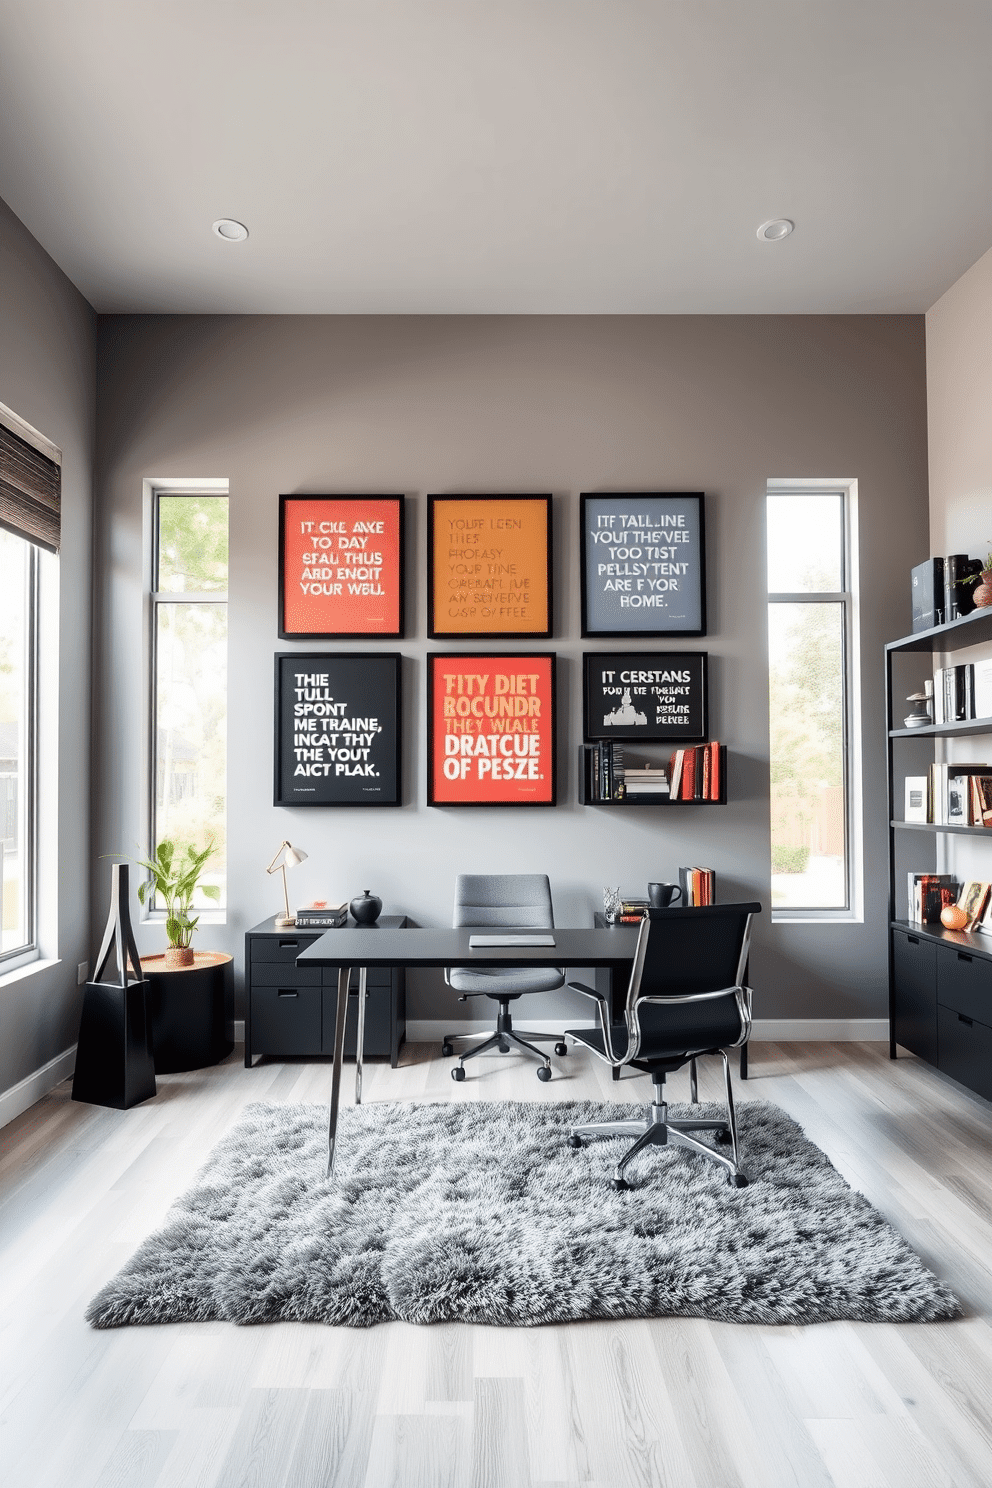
point(928, 964)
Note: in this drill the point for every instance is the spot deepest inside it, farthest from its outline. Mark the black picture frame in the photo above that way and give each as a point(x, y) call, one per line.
point(513, 665)
point(542, 566)
point(337, 507)
point(353, 680)
point(636, 584)
point(668, 690)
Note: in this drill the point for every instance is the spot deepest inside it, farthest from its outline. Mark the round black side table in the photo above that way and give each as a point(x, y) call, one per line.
point(186, 1008)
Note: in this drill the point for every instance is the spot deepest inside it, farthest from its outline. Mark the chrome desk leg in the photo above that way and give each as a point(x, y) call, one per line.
point(363, 976)
point(344, 978)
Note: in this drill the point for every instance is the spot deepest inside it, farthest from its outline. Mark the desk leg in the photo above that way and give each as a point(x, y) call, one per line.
point(743, 1061)
point(363, 976)
point(344, 979)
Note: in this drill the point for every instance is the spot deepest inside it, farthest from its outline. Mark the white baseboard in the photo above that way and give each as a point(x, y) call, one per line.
point(25, 1093)
point(763, 1030)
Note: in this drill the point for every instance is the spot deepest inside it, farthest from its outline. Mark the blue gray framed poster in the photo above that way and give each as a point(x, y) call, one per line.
point(643, 564)
point(337, 734)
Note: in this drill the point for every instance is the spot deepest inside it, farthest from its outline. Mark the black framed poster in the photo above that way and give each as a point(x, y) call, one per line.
point(491, 729)
point(489, 568)
point(340, 567)
point(645, 695)
point(643, 564)
point(337, 728)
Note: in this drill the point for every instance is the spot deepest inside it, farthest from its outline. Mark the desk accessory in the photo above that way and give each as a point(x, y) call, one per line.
point(366, 909)
point(288, 856)
point(319, 915)
point(477, 941)
point(662, 895)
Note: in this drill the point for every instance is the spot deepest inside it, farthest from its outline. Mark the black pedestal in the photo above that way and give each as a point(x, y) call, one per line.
point(187, 1011)
point(113, 1057)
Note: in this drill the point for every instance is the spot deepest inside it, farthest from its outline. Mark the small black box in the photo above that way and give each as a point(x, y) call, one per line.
point(928, 594)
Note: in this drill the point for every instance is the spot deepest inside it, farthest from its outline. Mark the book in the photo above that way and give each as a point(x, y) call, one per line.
point(716, 771)
point(687, 791)
point(927, 894)
point(698, 886)
point(959, 596)
point(916, 798)
point(675, 772)
point(928, 594)
point(982, 688)
point(320, 915)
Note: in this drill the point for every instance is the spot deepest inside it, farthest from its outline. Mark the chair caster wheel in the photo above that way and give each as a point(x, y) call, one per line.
point(737, 1180)
point(458, 1073)
point(620, 1184)
point(573, 1140)
point(723, 1137)
point(561, 1047)
point(447, 1049)
point(544, 1073)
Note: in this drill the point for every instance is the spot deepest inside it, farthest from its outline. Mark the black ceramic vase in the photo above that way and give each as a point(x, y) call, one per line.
point(366, 909)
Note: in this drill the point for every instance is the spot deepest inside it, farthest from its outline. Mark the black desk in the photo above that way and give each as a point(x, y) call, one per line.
point(380, 947)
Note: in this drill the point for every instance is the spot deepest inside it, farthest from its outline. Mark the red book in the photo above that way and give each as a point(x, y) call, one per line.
point(715, 782)
point(707, 771)
point(688, 790)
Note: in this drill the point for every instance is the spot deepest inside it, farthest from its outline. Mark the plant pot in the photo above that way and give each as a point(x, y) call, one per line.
point(983, 589)
point(179, 956)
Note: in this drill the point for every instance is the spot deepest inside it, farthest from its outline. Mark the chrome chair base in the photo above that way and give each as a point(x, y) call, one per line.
point(504, 1036)
point(657, 1129)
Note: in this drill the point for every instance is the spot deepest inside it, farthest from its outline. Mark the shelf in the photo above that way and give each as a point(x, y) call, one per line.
point(945, 730)
point(665, 802)
point(972, 630)
point(905, 826)
point(973, 941)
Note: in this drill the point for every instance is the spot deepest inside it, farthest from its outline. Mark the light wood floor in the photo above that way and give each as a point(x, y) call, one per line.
point(685, 1403)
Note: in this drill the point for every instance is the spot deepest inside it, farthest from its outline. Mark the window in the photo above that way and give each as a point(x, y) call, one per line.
point(811, 701)
point(18, 645)
point(189, 675)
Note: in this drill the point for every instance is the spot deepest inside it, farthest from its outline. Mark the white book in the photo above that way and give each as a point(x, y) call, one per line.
point(916, 798)
point(938, 696)
point(982, 689)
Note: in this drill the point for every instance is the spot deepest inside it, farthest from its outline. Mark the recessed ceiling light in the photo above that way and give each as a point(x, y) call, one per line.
point(230, 231)
point(776, 230)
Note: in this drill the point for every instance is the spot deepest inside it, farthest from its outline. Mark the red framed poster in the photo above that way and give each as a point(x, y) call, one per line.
point(491, 729)
point(340, 567)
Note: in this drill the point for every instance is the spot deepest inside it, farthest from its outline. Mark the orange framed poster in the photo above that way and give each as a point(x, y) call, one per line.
point(340, 567)
point(491, 729)
point(489, 567)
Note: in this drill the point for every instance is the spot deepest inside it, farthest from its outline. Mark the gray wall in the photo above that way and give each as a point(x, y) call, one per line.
point(47, 375)
point(565, 404)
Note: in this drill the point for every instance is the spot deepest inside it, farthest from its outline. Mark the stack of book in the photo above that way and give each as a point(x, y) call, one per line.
point(632, 911)
point(697, 774)
point(962, 692)
point(603, 772)
point(927, 895)
point(959, 795)
point(647, 783)
point(698, 886)
point(319, 915)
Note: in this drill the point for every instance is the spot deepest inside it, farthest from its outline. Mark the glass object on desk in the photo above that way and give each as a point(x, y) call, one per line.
point(611, 904)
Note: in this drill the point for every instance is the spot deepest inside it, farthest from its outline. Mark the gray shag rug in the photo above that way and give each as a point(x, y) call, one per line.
point(481, 1212)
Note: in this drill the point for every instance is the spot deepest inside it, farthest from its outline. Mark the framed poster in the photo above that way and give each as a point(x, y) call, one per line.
point(340, 567)
point(489, 566)
point(337, 728)
point(644, 695)
point(491, 729)
point(643, 565)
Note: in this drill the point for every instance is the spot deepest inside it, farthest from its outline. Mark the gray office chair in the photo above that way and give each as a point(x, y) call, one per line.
point(505, 901)
point(686, 998)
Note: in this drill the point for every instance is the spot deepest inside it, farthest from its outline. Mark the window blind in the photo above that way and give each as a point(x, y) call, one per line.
point(30, 492)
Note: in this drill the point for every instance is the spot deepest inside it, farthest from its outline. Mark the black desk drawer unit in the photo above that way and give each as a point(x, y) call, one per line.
point(942, 1004)
point(290, 1010)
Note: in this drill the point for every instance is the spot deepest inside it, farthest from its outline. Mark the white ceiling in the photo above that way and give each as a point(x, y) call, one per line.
point(501, 155)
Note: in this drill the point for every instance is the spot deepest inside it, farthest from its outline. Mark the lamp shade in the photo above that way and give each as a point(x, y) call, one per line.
point(293, 855)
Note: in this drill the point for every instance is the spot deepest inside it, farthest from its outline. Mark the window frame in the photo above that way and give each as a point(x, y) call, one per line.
point(29, 949)
point(848, 599)
point(155, 598)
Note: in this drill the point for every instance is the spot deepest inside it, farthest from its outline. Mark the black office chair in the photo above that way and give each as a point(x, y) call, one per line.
point(504, 901)
point(686, 998)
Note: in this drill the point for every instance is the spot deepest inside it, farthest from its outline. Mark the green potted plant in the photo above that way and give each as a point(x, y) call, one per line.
point(175, 876)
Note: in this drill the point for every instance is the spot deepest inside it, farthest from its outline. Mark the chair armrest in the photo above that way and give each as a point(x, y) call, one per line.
point(587, 991)
point(605, 1019)
point(741, 995)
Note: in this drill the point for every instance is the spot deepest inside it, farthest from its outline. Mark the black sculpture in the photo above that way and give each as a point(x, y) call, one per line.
point(114, 1064)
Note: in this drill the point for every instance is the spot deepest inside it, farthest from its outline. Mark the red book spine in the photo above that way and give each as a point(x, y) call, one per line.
point(688, 776)
point(715, 772)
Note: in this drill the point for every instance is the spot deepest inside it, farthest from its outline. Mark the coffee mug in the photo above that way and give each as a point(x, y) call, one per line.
point(661, 895)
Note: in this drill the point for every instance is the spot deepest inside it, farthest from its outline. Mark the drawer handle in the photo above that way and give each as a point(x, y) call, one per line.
point(289, 945)
point(285, 992)
point(969, 1021)
point(963, 957)
point(913, 939)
